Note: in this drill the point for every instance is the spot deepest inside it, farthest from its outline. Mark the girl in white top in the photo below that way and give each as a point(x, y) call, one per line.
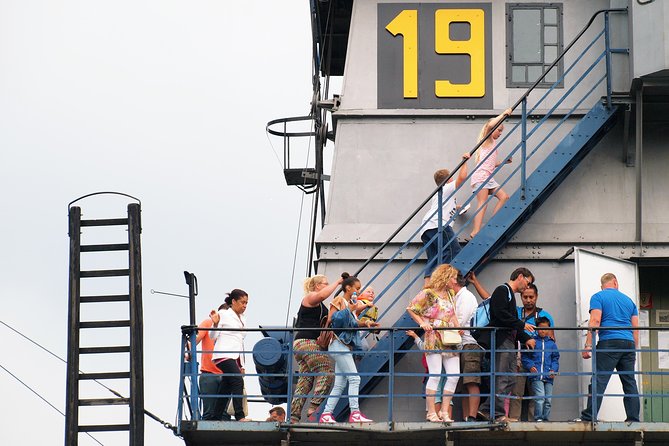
point(485, 169)
point(229, 344)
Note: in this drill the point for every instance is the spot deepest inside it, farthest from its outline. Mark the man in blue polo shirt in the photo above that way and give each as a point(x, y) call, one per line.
point(611, 308)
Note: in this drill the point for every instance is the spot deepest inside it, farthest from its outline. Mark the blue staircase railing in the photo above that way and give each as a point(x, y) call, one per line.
point(535, 185)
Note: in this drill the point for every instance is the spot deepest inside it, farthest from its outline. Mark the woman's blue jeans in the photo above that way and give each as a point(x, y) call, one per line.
point(345, 365)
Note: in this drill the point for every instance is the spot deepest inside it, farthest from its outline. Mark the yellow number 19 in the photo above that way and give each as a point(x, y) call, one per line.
point(406, 24)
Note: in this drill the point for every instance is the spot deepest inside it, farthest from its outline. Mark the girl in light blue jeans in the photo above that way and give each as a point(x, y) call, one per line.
point(340, 349)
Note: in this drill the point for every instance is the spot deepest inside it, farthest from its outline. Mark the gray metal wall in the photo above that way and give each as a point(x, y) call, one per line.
point(384, 160)
point(650, 30)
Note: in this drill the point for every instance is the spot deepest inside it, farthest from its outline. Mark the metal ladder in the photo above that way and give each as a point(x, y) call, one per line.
point(132, 376)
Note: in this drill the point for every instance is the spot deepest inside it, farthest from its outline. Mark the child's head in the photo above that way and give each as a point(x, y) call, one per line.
point(486, 129)
point(543, 326)
point(367, 294)
point(365, 299)
point(441, 175)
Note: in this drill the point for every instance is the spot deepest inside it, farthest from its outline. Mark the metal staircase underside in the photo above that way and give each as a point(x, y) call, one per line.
point(499, 230)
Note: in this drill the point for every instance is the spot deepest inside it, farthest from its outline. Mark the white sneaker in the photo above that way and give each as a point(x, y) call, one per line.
point(327, 418)
point(358, 417)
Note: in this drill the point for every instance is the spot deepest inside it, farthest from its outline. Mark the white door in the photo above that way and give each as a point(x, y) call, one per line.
point(590, 266)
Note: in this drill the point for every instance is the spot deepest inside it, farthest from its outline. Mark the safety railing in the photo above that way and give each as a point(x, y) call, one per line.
point(592, 71)
point(190, 398)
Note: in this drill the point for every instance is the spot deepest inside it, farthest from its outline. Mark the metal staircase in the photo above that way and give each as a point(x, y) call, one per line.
point(130, 376)
point(534, 189)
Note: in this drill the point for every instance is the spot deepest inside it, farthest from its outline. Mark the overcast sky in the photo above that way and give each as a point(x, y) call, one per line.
point(166, 100)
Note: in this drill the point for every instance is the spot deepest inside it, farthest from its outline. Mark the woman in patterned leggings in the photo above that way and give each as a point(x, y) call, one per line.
point(308, 355)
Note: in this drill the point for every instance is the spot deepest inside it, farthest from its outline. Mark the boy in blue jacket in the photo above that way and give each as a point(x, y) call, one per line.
point(544, 363)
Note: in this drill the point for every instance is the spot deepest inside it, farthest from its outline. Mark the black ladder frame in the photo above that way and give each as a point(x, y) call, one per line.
point(135, 401)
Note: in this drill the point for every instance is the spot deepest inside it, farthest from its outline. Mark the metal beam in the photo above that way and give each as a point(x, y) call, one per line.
point(136, 327)
point(72, 382)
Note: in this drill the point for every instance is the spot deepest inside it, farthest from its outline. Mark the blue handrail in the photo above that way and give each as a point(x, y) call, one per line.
point(189, 395)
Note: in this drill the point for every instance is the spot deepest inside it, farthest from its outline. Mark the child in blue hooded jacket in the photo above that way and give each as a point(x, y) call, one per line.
point(544, 363)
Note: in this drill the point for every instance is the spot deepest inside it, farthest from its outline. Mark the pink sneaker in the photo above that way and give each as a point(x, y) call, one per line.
point(358, 417)
point(327, 418)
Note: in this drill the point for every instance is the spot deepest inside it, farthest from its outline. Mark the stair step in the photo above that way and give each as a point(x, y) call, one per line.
point(104, 324)
point(107, 298)
point(104, 427)
point(105, 273)
point(104, 402)
point(106, 222)
point(112, 349)
point(105, 247)
point(104, 375)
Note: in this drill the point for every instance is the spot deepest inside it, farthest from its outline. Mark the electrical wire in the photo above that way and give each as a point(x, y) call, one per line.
point(276, 155)
point(165, 424)
point(43, 399)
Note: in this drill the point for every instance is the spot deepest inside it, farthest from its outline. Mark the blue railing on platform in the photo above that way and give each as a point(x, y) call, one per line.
point(190, 399)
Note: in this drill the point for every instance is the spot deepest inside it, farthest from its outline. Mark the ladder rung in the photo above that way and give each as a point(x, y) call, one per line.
point(112, 349)
point(105, 375)
point(105, 247)
point(105, 273)
point(104, 428)
point(104, 324)
point(104, 402)
point(108, 298)
point(105, 222)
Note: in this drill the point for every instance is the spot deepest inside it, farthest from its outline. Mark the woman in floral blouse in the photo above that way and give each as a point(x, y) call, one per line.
point(432, 308)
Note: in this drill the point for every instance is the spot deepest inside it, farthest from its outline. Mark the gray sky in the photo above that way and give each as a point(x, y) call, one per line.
point(165, 100)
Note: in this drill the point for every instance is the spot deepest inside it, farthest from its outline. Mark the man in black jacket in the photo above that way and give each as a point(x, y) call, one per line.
point(503, 314)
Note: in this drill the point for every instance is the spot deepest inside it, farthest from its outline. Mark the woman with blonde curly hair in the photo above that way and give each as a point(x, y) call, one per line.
point(432, 308)
point(309, 360)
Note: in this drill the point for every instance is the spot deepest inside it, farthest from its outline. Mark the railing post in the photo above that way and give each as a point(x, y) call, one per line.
point(523, 150)
point(594, 390)
point(607, 42)
point(391, 377)
point(289, 388)
point(180, 405)
point(194, 389)
point(440, 227)
point(493, 389)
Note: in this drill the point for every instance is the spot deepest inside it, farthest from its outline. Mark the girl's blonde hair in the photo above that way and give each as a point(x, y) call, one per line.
point(484, 131)
point(311, 282)
point(442, 275)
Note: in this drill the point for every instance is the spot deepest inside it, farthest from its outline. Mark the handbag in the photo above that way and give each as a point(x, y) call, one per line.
point(450, 337)
point(325, 337)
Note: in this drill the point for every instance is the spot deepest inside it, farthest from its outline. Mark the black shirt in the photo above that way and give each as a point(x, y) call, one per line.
point(503, 314)
point(310, 317)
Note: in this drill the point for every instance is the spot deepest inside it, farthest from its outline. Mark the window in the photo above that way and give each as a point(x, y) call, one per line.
point(534, 40)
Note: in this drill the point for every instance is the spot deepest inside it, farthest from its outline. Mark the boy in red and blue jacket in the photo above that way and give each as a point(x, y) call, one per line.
point(544, 363)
